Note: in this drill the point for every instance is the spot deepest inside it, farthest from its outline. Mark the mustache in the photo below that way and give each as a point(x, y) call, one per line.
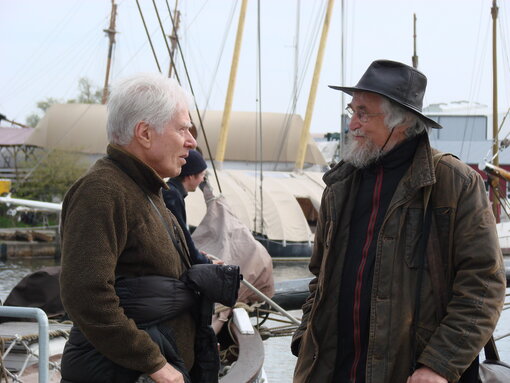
point(356, 133)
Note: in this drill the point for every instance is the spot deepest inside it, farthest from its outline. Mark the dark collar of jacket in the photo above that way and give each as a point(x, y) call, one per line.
point(420, 173)
point(178, 186)
point(141, 173)
point(401, 154)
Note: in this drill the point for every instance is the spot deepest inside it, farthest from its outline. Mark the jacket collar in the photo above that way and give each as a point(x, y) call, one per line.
point(421, 173)
point(141, 173)
point(172, 182)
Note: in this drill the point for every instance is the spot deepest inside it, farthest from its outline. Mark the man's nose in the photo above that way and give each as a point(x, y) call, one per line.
point(190, 141)
point(354, 123)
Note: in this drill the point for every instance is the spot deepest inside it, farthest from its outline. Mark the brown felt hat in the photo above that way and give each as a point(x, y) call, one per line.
point(399, 82)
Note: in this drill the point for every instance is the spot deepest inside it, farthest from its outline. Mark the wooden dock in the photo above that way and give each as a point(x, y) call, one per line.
point(28, 243)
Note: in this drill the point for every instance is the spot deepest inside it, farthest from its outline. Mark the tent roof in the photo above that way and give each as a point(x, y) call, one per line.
point(281, 134)
point(74, 127)
point(82, 127)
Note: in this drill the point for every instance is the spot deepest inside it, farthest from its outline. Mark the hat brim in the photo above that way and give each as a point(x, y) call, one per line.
point(351, 90)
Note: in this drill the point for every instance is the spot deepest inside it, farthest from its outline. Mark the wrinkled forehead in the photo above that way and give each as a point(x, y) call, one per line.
point(366, 99)
point(182, 117)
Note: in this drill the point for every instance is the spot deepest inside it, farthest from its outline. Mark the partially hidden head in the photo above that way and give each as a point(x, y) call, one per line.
point(195, 164)
point(148, 115)
point(193, 172)
point(386, 109)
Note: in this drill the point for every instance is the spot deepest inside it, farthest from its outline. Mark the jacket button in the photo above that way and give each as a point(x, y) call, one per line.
point(314, 356)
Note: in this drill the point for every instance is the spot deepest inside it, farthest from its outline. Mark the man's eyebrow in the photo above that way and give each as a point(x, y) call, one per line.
point(362, 107)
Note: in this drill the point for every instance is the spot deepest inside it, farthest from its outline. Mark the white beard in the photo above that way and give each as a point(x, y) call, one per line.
point(361, 154)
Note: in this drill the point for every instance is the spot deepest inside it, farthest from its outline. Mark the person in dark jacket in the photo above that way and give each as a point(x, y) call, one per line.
point(192, 175)
point(368, 318)
point(114, 223)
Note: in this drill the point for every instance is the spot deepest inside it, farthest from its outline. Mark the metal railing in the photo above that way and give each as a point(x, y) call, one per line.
point(42, 320)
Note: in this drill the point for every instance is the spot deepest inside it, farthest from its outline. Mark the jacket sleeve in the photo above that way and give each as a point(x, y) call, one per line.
point(94, 233)
point(315, 265)
point(478, 288)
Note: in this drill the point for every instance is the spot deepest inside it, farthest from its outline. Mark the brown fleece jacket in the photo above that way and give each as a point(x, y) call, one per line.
point(109, 228)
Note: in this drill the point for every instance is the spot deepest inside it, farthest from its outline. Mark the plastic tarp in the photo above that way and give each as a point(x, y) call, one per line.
point(222, 234)
point(14, 136)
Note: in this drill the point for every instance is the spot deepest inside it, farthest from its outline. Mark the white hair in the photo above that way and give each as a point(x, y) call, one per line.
point(395, 115)
point(149, 97)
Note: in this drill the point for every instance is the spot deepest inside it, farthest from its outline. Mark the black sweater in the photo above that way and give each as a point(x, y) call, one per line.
point(377, 185)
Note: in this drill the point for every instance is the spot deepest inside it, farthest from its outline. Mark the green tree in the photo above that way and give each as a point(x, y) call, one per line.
point(51, 177)
point(87, 94)
point(33, 119)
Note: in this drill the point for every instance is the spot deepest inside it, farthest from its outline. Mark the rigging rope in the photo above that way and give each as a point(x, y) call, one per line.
point(311, 41)
point(148, 36)
point(258, 129)
point(220, 55)
point(476, 78)
point(194, 97)
point(172, 63)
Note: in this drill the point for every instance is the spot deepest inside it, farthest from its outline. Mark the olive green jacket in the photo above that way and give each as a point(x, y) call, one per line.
point(463, 229)
point(109, 228)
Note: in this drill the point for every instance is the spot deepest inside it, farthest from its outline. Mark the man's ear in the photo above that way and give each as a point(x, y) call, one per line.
point(143, 134)
point(404, 125)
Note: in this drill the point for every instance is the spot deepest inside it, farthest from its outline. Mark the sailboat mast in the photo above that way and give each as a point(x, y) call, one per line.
point(300, 158)
point(111, 36)
point(173, 38)
point(225, 122)
point(296, 56)
point(495, 138)
point(415, 56)
point(343, 117)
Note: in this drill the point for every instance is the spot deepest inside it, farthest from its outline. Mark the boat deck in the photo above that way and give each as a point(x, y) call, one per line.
point(21, 348)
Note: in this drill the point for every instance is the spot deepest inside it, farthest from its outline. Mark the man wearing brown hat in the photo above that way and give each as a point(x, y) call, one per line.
point(409, 274)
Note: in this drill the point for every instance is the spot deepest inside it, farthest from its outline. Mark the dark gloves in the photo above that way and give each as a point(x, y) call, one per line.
point(203, 184)
point(216, 283)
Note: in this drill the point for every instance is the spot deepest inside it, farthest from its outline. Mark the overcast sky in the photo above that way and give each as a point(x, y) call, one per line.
point(48, 45)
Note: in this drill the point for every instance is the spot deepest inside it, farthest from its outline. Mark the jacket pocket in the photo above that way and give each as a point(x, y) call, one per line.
point(413, 224)
point(443, 220)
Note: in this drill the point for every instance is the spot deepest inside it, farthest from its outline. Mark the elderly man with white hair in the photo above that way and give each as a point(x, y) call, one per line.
point(114, 225)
